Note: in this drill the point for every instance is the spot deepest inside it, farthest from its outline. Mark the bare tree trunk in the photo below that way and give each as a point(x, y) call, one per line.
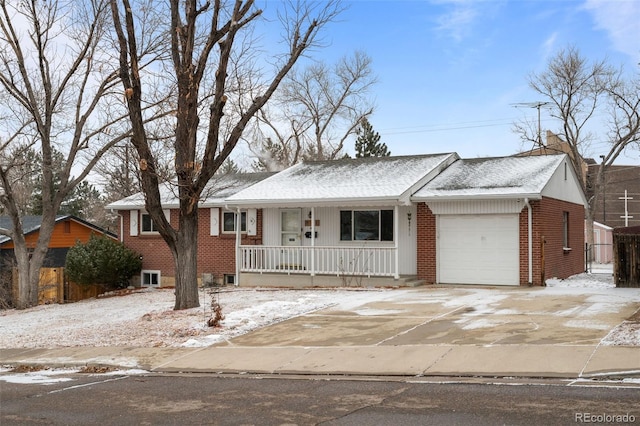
point(193, 59)
point(24, 288)
point(186, 263)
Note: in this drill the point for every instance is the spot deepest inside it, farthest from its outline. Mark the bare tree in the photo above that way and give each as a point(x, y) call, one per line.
point(577, 93)
point(206, 42)
point(315, 112)
point(57, 91)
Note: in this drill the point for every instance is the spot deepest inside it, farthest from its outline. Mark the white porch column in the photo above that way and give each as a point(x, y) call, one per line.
point(396, 238)
point(238, 241)
point(313, 241)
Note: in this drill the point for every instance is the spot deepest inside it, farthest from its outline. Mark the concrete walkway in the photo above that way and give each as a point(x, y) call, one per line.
point(439, 332)
point(415, 360)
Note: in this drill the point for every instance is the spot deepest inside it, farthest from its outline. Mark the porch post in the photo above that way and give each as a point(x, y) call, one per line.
point(238, 241)
point(313, 241)
point(396, 238)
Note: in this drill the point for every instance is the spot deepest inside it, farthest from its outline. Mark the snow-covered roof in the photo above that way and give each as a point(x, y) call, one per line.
point(360, 180)
point(218, 189)
point(502, 177)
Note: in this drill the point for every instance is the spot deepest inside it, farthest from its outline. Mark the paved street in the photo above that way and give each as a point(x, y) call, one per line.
point(216, 400)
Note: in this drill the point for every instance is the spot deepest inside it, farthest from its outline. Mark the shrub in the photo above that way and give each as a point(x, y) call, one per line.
point(102, 261)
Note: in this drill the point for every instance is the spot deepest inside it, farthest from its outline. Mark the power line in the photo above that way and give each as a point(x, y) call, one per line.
point(452, 126)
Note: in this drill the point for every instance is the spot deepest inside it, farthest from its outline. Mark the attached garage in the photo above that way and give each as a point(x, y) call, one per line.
point(478, 249)
point(501, 221)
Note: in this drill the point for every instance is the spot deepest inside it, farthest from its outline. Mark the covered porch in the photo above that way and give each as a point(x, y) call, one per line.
point(326, 222)
point(307, 246)
point(312, 260)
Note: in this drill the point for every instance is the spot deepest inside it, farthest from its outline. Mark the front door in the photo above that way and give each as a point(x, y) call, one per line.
point(290, 231)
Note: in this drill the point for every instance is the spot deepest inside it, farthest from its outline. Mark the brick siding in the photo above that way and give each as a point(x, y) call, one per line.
point(426, 243)
point(560, 263)
point(216, 254)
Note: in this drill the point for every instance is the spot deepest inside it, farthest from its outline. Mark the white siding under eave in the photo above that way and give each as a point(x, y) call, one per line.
point(328, 230)
point(564, 185)
point(501, 206)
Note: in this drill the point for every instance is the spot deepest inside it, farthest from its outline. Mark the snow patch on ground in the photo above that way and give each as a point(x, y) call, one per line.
point(146, 317)
point(41, 377)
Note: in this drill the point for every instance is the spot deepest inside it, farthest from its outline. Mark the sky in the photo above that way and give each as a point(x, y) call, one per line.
point(451, 72)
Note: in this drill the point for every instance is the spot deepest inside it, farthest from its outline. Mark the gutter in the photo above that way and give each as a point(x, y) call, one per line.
point(475, 197)
point(329, 202)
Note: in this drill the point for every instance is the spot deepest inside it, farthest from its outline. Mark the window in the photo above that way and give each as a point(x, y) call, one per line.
point(67, 227)
point(229, 222)
point(366, 225)
point(229, 279)
point(150, 279)
point(147, 223)
point(565, 229)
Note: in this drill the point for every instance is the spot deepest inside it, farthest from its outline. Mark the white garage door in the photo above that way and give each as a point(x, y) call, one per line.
point(478, 249)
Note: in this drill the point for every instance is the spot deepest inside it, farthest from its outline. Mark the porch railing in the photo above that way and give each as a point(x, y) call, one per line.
point(360, 261)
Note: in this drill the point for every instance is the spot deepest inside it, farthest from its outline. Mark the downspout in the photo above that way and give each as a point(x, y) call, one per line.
point(238, 241)
point(529, 239)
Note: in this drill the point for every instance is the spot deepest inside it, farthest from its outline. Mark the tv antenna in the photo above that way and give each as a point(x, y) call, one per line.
point(536, 105)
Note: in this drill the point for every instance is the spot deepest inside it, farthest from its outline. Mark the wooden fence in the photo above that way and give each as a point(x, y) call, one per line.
point(55, 288)
point(626, 257)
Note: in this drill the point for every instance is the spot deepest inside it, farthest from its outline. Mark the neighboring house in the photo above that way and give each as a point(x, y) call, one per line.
point(501, 221)
point(67, 231)
point(602, 250)
point(216, 239)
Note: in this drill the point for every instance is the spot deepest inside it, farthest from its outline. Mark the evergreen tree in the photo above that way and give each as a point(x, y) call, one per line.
point(83, 201)
point(229, 167)
point(368, 142)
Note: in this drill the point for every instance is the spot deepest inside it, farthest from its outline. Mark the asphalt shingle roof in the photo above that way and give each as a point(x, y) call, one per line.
point(504, 176)
point(373, 178)
point(218, 189)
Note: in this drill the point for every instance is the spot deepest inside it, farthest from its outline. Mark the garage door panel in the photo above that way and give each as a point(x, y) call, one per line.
point(478, 249)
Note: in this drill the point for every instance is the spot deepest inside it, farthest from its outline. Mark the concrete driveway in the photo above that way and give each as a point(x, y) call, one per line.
point(457, 316)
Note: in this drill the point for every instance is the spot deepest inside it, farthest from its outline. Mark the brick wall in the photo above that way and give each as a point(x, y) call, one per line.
point(560, 263)
point(216, 254)
point(426, 243)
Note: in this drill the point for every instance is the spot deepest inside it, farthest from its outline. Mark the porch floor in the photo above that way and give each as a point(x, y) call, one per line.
point(251, 279)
